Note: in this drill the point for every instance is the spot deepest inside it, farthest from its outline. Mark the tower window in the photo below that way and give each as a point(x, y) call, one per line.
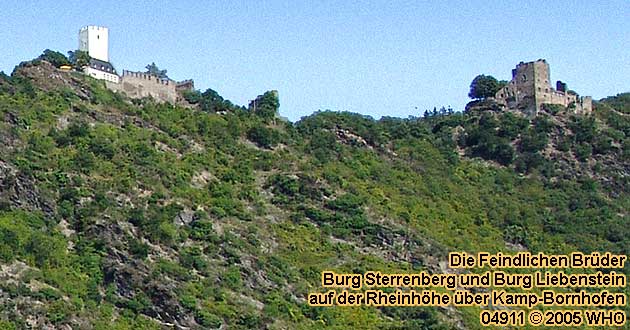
point(524, 78)
point(98, 36)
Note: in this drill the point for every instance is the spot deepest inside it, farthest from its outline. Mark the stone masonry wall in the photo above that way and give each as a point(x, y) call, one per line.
point(139, 85)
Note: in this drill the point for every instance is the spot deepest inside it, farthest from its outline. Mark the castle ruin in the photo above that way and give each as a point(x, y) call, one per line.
point(95, 41)
point(530, 89)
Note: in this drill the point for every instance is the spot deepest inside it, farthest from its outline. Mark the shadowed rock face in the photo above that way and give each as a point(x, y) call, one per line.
point(45, 76)
point(4, 83)
point(133, 280)
point(18, 191)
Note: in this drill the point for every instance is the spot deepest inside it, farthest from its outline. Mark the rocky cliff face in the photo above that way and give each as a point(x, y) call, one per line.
point(19, 191)
point(44, 76)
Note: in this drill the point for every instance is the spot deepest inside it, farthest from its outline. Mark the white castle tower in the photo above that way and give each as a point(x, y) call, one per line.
point(95, 41)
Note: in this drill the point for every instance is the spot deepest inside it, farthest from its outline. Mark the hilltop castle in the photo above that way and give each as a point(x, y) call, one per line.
point(95, 41)
point(530, 89)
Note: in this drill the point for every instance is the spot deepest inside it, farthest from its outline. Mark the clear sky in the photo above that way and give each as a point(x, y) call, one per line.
point(392, 58)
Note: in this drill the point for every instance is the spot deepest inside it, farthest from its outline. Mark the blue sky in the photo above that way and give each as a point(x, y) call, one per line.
point(380, 58)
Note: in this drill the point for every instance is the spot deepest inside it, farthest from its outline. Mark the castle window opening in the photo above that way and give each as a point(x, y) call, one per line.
point(524, 78)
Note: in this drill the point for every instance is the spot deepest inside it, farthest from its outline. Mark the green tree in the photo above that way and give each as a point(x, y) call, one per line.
point(55, 58)
point(211, 101)
point(264, 137)
point(266, 105)
point(79, 58)
point(193, 97)
point(153, 69)
point(484, 86)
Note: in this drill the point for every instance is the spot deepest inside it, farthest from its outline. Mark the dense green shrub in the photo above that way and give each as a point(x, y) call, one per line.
point(583, 151)
point(209, 320)
point(55, 58)
point(138, 249)
point(263, 136)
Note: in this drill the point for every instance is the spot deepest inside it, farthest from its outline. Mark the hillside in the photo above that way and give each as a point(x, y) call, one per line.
point(121, 214)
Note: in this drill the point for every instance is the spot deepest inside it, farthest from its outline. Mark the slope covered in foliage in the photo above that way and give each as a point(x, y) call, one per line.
point(137, 215)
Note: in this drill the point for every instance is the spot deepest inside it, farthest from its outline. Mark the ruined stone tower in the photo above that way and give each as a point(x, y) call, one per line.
point(530, 88)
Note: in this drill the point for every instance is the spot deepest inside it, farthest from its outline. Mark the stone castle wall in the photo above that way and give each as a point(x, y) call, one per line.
point(186, 85)
point(140, 84)
point(530, 88)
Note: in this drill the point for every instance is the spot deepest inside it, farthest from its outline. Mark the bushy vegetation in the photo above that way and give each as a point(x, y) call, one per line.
point(79, 58)
point(55, 58)
point(484, 86)
point(266, 106)
point(210, 101)
point(139, 212)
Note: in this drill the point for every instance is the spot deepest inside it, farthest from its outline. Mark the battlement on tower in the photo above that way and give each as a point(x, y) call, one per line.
point(94, 28)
